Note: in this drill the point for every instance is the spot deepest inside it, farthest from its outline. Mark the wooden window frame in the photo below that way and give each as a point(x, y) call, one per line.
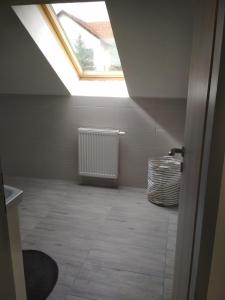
point(83, 75)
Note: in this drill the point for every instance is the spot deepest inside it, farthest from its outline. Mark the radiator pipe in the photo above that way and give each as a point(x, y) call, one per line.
point(121, 132)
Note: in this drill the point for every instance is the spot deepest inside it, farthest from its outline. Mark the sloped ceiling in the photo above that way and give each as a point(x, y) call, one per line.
point(24, 69)
point(154, 40)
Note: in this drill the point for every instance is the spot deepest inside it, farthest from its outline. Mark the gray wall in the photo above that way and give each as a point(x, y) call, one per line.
point(154, 40)
point(39, 133)
point(216, 288)
point(24, 69)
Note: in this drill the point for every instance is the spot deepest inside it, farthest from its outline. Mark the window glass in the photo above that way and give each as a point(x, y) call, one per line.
point(88, 30)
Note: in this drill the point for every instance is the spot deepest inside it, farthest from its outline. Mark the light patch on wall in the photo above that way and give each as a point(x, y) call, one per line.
point(102, 89)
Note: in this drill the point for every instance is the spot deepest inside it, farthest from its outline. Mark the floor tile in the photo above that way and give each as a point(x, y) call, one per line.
point(109, 244)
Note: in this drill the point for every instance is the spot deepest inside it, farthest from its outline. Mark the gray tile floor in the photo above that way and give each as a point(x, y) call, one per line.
point(110, 244)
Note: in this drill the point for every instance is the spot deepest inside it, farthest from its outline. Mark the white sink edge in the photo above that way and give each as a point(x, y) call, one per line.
point(14, 197)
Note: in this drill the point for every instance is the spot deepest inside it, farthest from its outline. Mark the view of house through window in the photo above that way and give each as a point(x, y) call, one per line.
point(87, 28)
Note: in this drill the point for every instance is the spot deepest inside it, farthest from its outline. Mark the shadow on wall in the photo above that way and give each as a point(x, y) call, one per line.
point(39, 133)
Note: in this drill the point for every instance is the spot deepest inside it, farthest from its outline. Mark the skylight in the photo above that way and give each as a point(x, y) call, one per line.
point(85, 31)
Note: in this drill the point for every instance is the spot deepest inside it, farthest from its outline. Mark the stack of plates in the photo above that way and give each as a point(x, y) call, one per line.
point(164, 181)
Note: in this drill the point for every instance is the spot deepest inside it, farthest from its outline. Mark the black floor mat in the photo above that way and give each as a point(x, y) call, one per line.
point(41, 274)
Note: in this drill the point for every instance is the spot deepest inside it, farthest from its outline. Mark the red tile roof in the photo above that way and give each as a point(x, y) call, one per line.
point(101, 30)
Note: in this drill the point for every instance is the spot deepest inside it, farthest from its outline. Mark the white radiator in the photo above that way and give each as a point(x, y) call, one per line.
point(98, 151)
